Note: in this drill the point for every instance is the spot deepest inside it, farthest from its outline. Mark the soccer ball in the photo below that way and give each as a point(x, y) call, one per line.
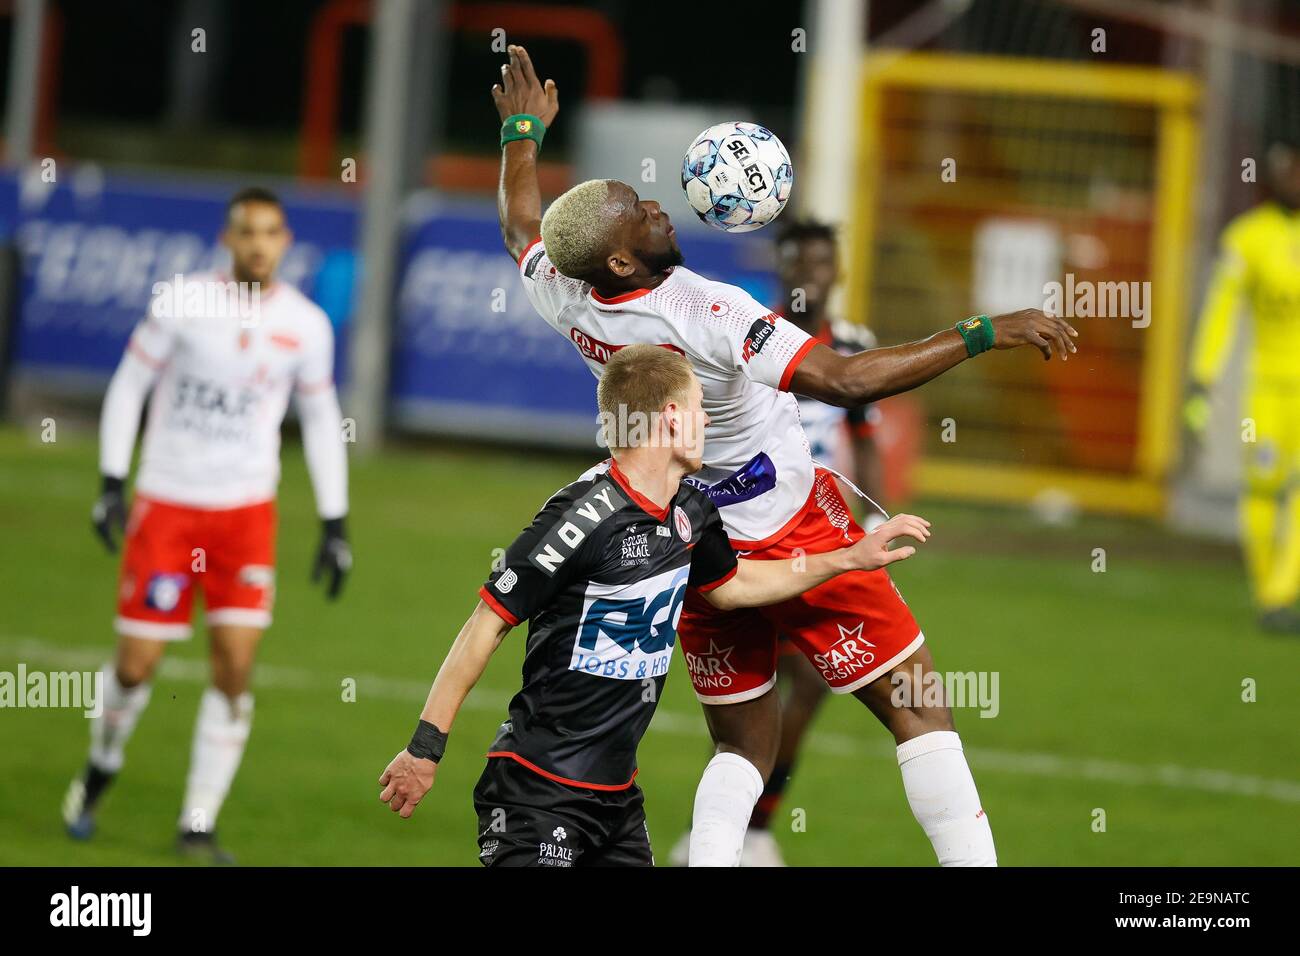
point(737, 176)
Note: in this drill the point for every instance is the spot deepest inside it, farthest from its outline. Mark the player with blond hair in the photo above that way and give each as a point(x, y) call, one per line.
point(600, 576)
point(603, 268)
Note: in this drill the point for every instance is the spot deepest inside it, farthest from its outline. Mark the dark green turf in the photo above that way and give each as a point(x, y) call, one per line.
point(1104, 680)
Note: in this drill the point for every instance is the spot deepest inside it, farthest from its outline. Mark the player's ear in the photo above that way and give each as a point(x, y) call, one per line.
point(671, 416)
point(620, 263)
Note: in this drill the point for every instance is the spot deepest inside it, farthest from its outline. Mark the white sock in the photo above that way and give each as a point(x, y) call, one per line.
point(110, 731)
point(724, 800)
point(944, 801)
point(220, 734)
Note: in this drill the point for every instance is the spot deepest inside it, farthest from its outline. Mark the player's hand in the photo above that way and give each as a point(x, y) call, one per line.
point(1196, 410)
point(873, 552)
point(108, 515)
point(334, 557)
point(1047, 333)
point(405, 781)
point(521, 92)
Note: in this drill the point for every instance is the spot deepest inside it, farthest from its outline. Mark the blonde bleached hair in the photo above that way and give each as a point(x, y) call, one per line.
point(575, 228)
point(639, 380)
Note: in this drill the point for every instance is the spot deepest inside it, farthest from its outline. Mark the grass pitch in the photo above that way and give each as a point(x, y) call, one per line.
point(1120, 693)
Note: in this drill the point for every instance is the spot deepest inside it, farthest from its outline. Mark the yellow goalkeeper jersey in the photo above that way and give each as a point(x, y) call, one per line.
point(1259, 269)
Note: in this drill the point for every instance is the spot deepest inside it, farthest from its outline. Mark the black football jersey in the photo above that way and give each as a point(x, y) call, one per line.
point(600, 576)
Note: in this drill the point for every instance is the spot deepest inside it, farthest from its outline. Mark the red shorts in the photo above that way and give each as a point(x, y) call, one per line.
point(854, 627)
point(174, 550)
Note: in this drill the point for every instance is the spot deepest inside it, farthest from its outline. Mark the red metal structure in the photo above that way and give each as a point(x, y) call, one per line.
point(590, 29)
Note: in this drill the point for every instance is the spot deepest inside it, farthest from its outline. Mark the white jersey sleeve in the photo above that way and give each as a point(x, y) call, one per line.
point(550, 291)
point(322, 423)
point(147, 351)
point(741, 334)
point(316, 369)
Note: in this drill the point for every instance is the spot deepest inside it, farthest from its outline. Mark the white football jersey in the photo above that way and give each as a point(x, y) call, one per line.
point(756, 458)
point(226, 369)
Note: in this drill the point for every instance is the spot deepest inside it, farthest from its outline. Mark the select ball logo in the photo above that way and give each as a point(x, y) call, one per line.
point(737, 176)
point(754, 174)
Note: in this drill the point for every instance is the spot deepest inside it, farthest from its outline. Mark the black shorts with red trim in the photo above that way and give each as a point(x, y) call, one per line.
point(526, 819)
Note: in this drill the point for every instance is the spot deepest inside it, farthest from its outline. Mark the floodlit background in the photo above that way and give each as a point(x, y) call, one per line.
point(970, 152)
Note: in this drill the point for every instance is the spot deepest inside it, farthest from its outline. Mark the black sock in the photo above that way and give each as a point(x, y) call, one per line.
point(770, 797)
point(97, 782)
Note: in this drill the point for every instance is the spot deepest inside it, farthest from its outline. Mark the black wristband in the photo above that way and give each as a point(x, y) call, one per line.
point(111, 485)
point(334, 528)
point(427, 743)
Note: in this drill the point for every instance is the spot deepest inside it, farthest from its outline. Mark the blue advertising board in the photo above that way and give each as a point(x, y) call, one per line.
point(470, 356)
point(91, 250)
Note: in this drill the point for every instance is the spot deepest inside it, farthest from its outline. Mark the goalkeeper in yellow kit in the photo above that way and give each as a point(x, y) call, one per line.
point(1258, 276)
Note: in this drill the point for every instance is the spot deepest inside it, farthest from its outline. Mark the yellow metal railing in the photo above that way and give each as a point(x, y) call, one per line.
point(1036, 140)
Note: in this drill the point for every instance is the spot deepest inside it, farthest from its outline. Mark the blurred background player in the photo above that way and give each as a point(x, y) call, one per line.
point(600, 576)
point(221, 355)
point(844, 439)
point(1258, 276)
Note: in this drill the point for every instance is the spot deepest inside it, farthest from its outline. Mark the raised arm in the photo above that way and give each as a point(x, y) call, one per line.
point(519, 200)
point(410, 774)
point(758, 583)
point(849, 380)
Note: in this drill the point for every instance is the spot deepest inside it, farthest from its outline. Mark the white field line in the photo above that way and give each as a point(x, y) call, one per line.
point(1057, 766)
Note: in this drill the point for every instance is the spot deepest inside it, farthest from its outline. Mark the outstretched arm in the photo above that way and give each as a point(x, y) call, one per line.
point(409, 777)
point(850, 380)
point(519, 200)
point(759, 583)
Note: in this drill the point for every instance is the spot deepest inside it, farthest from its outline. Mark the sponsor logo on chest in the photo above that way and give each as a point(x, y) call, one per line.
point(601, 352)
point(635, 548)
point(627, 631)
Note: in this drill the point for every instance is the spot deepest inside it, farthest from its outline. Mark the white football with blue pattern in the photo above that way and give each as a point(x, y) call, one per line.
point(737, 176)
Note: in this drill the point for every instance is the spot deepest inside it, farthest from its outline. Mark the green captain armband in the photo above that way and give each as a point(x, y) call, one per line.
point(522, 126)
point(977, 333)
